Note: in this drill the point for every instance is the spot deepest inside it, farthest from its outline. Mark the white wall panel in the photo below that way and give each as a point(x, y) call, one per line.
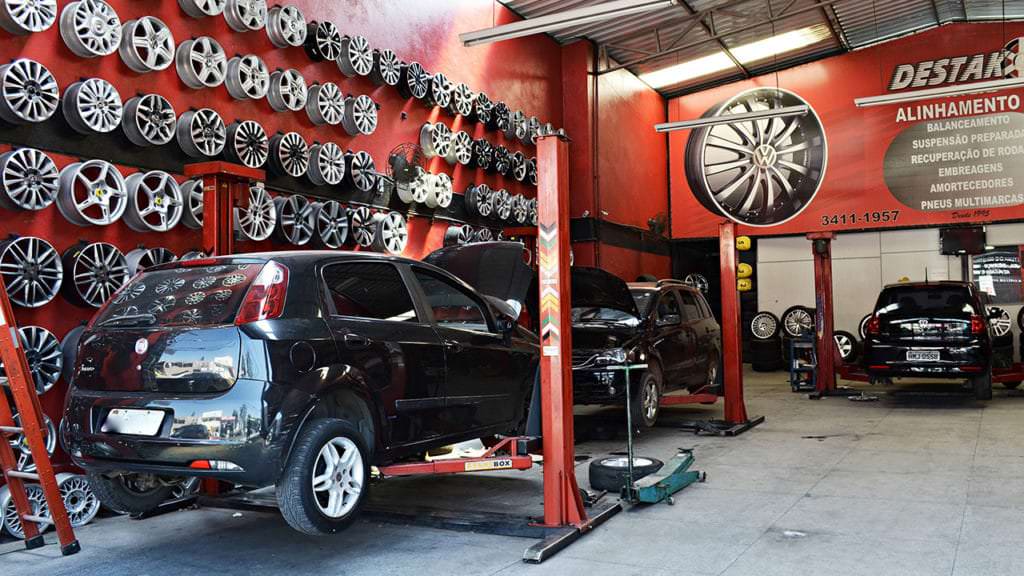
point(918, 240)
point(856, 283)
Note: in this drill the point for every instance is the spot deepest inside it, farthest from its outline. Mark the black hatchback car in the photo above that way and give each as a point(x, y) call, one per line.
point(931, 330)
point(666, 325)
point(300, 369)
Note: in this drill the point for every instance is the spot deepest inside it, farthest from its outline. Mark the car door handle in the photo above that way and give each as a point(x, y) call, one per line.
point(453, 346)
point(356, 342)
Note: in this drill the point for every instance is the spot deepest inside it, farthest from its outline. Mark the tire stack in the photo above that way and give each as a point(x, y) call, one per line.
point(765, 343)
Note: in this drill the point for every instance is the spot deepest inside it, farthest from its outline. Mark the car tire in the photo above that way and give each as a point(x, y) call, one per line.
point(795, 310)
point(609, 473)
point(117, 496)
point(862, 326)
point(1011, 385)
point(307, 509)
point(983, 387)
point(854, 346)
point(645, 414)
point(715, 377)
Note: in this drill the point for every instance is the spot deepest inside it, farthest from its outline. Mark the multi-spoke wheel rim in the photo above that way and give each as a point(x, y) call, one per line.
point(442, 192)
point(154, 202)
point(326, 164)
point(201, 63)
point(31, 270)
point(461, 151)
point(502, 159)
point(650, 401)
point(192, 195)
point(338, 476)
point(332, 224)
point(698, 281)
point(142, 258)
point(289, 154)
point(325, 104)
point(520, 208)
point(361, 227)
point(323, 41)
point(27, 16)
point(515, 127)
point(458, 235)
point(149, 120)
point(246, 15)
point(247, 144)
point(247, 77)
point(80, 501)
point(418, 190)
point(360, 115)
point(355, 56)
point(764, 326)
point(92, 105)
point(91, 192)
point(286, 26)
point(288, 91)
point(501, 118)
point(533, 212)
point(502, 204)
point(202, 8)
point(11, 516)
point(758, 172)
point(96, 272)
point(440, 90)
point(45, 362)
point(390, 233)
point(519, 166)
point(1001, 323)
point(19, 442)
point(483, 154)
point(531, 171)
point(480, 200)
point(483, 108)
point(147, 45)
point(844, 345)
point(387, 68)
point(296, 219)
point(362, 171)
point(257, 218)
point(483, 235)
point(463, 100)
point(415, 81)
point(436, 139)
point(798, 322)
point(201, 133)
point(28, 179)
point(532, 129)
point(28, 92)
point(90, 28)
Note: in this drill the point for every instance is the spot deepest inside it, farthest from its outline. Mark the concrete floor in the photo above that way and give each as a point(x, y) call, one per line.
point(927, 483)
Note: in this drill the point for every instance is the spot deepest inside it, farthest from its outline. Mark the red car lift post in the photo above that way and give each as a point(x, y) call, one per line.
point(821, 248)
point(221, 183)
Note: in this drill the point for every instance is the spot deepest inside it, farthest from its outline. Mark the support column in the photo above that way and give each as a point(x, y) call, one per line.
point(222, 181)
point(732, 344)
point(821, 247)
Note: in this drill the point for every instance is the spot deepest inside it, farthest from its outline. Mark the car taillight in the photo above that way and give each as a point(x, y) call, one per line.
point(197, 262)
point(874, 326)
point(265, 298)
point(977, 324)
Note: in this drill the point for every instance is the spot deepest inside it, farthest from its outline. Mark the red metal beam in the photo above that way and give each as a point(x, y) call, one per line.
point(688, 399)
point(222, 181)
point(821, 248)
point(502, 456)
point(732, 346)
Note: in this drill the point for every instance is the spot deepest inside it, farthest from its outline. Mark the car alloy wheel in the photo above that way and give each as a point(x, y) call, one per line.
point(461, 150)
point(846, 345)
point(201, 63)
point(1000, 320)
point(479, 200)
point(764, 325)
point(286, 26)
point(142, 258)
point(360, 116)
point(332, 224)
point(483, 235)
point(387, 68)
point(27, 16)
point(323, 41)
point(296, 219)
point(155, 203)
point(201, 133)
point(417, 191)
point(96, 271)
point(463, 100)
point(246, 15)
point(147, 45)
point(31, 270)
point(202, 8)
point(518, 168)
point(192, 194)
point(338, 477)
point(361, 227)
point(325, 104)
point(502, 204)
point(11, 517)
point(414, 82)
point(520, 208)
point(91, 193)
point(698, 281)
point(435, 139)
point(483, 108)
point(247, 144)
point(798, 321)
point(45, 363)
point(502, 160)
point(442, 192)
point(92, 105)
point(457, 235)
point(149, 120)
point(361, 171)
point(28, 179)
point(501, 119)
point(440, 92)
point(483, 154)
point(326, 164)
point(247, 77)
point(288, 91)
point(531, 171)
point(80, 502)
point(90, 28)
point(28, 92)
point(289, 154)
point(390, 233)
point(356, 57)
point(257, 217)
point(515, 122)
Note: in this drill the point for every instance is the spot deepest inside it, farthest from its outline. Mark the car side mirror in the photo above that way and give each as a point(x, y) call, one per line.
point(669, 320)
point(505, 324)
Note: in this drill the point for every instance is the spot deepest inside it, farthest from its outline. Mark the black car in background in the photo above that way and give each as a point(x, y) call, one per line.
point(666, 325)
point(931, 330)
point(296, 369)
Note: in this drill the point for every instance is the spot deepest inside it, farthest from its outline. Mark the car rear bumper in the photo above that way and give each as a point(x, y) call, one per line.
point(955, 362)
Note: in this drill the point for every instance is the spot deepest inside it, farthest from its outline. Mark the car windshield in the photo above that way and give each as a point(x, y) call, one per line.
point(181, 296)
point(587, 314)
point(643, 300)
point(926, 301)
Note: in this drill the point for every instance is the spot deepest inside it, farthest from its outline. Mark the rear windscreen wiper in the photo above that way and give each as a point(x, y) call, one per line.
point(130, 320)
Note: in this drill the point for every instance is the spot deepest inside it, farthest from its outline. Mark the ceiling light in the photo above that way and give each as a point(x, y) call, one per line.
point(564, 19)
point(747, 53)
point(783, 112)
point(941, 92)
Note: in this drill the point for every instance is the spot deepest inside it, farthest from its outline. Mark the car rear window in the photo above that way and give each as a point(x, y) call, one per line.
point(184, 295)
point(930, 300)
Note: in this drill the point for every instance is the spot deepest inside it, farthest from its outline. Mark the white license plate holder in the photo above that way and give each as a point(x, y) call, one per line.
point(923, 356)
point(133, 422)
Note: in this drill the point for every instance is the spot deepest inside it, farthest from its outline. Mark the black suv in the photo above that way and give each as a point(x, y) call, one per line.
point(931, 330)
point(666, 325)
point(300, 369)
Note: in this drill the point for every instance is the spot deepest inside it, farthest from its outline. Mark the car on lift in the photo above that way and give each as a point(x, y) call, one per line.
point(932, 330)
point(297, 369)
point(666, 325)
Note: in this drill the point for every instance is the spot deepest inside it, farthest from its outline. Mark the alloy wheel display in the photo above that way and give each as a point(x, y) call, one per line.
point(29, 179)
point(18, 442)
point(442, 192)
point(92, 105)
point(387, 68)
point(502, 159)
point(296, 219)
point(518, 166)
point(483, 108)
point(1001, 323)
point(246, 15)
point(440, 91)
point(147, 45)
point(461, 151)
point(149, 120)
point(80, 501)
point(201, 133)
point(415, 81)
point(520, 209)
point(698, 281)
point(247, 77)
point(758, 172)
point(323, 41)
point(256, 217)
point(390, 233)
point(91, 193)
point(154, 202)
point(142, 258)
point(435, 139)
point(286, 26)
point(417, 191)
point(332, 224)
point(361, 227)
point(458, 235)
point(11, 517)
point(27, 16)
point(325, 104)
point(360, 116)
point(28, 92)
point(361, 171)
point(192, 195)
point(483, 154)
point(516, 125)
point(355, 57)
point(463, 100)
point(326, 164)
point(502, 204)
point(45, 363)
point(32, 271)
point(95, 271)
point(798, 321)
point(483, 235)
point(202, 8)
point(247, 144)
point(764, 325)
point(90, 28)
point(201, 63)
point(289, 154)
point(288, 91)
point(501, 118)
point(531, 171)
point(479, 200)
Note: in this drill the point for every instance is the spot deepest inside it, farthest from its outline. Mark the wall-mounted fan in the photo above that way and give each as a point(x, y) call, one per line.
point(406, 163)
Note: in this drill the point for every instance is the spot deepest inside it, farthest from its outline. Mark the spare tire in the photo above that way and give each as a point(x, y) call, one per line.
point(609, 473)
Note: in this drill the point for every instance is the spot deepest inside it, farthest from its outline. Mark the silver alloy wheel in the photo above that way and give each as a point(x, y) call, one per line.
point(155, 203)
point(844, 345)
point(361, 228)
point(90, 28)
point(29, 92)
point(296, 219)
point(479, 200)
point(80, 501)
point(1001, 324)
point(520, 208)
point(760, 172)
point(442, 193)
point(650, 403)
point(533, 126)
point(11, 518)
point(45, 363)
point(463, 100)
point(141, 258)
point(247, 77)
point(325, 104)
point(192, 193)
point(91, 192)
point(483, 235)
point(502, 205)
point(415, 81)
point(27, 16)
point(323, 41)
point(332, 224)
point(338, 477)
point(461, 151)
point(440, 93)
point(515, 121)
point(483, 154)
point(698, 281)
point(764, 325)
point(202, 8)
point(623, 462)
point(256, 219)
point(201, 133)
point(287, 91)
point(387, 68)
point(247, 144)
point(96, 271)
point(201, 63)
point(483, 108)
point(519, 166)
point(531, 171)
point(246, 15)
point(147, 45)
point(32, 271)
point(355, 57)
point(502, 159)
point(289, 154)
point(435, 139)
point(362, 172)
point(390, 233)
point(360, 116)
point(501, 119)
point(457, 235)
point(28, 179)
point(417, 191)
point(149, 120)
point(326, 164)
point(533, 212)
point(92, 105)
point(798, 322)
point(286, 26)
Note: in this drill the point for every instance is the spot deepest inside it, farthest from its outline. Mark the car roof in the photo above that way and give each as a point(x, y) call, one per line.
point(655, 287)
point(946, 283)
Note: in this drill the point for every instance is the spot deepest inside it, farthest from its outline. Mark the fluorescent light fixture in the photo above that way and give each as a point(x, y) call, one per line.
point(746, 53)
point(562, 20)
point(783, 112)
point(941, 92)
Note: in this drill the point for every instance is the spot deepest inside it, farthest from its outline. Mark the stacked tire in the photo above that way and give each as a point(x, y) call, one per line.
point(766, 343)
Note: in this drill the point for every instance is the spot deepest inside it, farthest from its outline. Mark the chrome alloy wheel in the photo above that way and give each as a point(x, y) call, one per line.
point(338, 477)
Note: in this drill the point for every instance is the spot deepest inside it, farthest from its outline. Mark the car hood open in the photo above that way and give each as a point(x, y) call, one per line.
point(496, 269)
point(593, 287)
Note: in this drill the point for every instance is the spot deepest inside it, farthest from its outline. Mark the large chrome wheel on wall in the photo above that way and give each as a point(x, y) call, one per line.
point(360, 116)
point(27, 16)
point(142, 258)
point(520, 209)
point(201, 63)
point(247, 144)
point(414, 82)
point(325, 104)
point(698, 281)
point(201, 133)
point(92, 193)
point(483, 154)
point(442, 192)
point(518, 166)
point(92, 105)
point(45, 362)
point(155, 203)
point(435, 139)
point(246, 15)
point(479, 200)
point(149, 120)
point(28, 180)
point(463, 100)
point(416, 191)
point(440, 91)
point(286, 26)
point(502, 204)
point(361, 226)
point(323, 41)
point(202, 8)
point(502, 160)
point(758, 172)
point(192, 194)
point(332, 224)
point(355, 57)
point(289, 154)
point(387, 68)
point(501, 118)
point(483, 108)
point(32, 271)
point(458, 235)
point(390, 233)
point(288, 91)
point(90, 28)
point(361, 171)
point(247, 77)
point(326, 164)
point(256, 217)
point(461, 151)
point(147, 45)
point(95, 271)
point(296, 219)
point(28, 92)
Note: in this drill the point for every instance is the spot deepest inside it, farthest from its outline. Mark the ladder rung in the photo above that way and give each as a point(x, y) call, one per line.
point(23, 475)
point(37, 519)
point(11, 430)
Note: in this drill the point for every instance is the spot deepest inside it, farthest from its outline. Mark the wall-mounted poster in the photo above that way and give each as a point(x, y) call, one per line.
point(998, 273)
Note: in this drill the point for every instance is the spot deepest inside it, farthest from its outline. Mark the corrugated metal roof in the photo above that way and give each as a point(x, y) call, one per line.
point(655, 40)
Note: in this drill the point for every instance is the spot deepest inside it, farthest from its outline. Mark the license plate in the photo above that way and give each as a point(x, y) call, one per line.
point(923, 356)
point(133, 422)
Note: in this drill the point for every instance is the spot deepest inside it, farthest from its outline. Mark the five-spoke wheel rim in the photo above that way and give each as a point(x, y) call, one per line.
point(338, 476)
